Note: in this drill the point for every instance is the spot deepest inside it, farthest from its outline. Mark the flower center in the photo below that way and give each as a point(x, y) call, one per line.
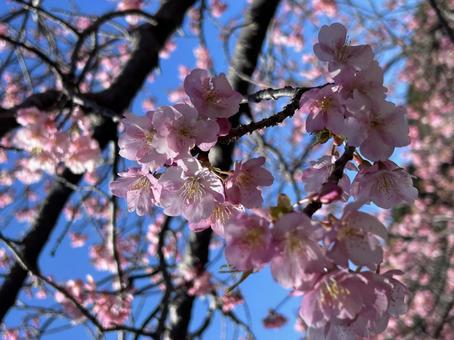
point(192, 189)
point(294, 242)
point(211, 95)
point(184, 131)
point(375, 123)
point(386, 184)
point(149, 136)
point(36, 151)
point(331, 292)
point(254, 237)
point(221, 213)
point(325, 103)
point(141, 183)
point(349, 233)
point(244, 178)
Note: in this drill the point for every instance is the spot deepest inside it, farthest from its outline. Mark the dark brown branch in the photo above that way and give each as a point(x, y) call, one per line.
point(335, 175)
point(288, 111)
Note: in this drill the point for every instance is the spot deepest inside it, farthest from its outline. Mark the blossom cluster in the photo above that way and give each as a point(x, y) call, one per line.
point(110, 309)
point(334, 262)
point(187, 187)
point(41, 135)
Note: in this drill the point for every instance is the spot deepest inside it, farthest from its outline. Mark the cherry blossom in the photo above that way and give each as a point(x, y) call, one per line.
point(112, 309)
point(337, 295)
point(213, 97)
point(335, 263)
point(221, 214)
point(356, 237)
point(140, 141)
point(82, 294)
point(83, 154)
point(140, 189)
point(385, 184)
point(182, 130)
point(299, 259)
point(324, 109)
point(190, 190)
point(218, 7)
point(333, 48)
point(249, 242)
point(229, 301)
point(367, 83)
point(242, 186)
point(125, 5)
point(384, 129)
point(274, 320)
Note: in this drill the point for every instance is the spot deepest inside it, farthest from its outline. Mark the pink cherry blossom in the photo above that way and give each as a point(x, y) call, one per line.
point(140, 189)
point(190, 190)
point(213, 97)
point(220, 215)
point(368, 83)
point(249, 242)
point(4, 258)
point(125, 5)
point(242, 186)
point(324, 110)
point(229, 301)
point(129, 4)
point(357, 238)
point(339, 295)
point(299, 259)
point(274, 320)
point(140, 141)
point(387, 298)
point(200, 282)
point(10, 333)
point(82, 294)
point(78, 240)
point(218, 7)
point(182, 129)
point(383, 127)
point(398, 294)
point(333, 47)
point(384, 184)
point(82, 23)
point(203, 58)
point(83, 154)
point(112, 309)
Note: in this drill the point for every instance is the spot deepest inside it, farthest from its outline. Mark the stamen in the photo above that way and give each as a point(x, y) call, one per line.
point(141, 183)
point(192, 189)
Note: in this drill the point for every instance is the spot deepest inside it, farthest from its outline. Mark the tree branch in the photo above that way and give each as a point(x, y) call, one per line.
point(288, 111)
point(335, 175)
